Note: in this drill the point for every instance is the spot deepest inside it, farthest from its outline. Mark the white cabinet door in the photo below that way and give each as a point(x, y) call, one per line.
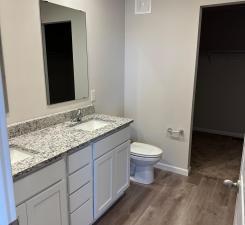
point(21, 214)
point(103, 183)
point(121, 169)
point(49, 207)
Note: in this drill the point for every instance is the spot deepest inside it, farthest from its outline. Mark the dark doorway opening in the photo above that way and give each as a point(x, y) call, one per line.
point(219, 111)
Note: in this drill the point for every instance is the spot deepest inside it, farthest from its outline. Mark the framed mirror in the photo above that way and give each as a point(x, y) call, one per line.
point(64, 38)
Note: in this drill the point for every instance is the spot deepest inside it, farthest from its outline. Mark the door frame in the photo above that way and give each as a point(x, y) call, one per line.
point(196, 67)
point(8, 209)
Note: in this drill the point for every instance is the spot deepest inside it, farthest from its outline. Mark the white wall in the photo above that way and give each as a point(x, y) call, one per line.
point(160, 71)
point(22, 50)
point(219, 105)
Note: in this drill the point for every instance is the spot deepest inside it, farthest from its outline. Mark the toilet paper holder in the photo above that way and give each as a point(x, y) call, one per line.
point(172, 132)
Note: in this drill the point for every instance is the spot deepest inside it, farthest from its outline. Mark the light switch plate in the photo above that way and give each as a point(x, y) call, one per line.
point(92, 95)
point(142, 6)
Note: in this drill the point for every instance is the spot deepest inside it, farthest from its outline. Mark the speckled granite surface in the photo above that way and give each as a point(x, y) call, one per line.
point(46, 121)
point(50, 144)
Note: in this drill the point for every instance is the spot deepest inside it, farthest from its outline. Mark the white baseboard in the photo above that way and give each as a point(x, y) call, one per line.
point(174, 169)
point(220, 132)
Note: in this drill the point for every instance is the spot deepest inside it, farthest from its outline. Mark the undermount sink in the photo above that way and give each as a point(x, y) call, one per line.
point(91, 125)
point(18, 155)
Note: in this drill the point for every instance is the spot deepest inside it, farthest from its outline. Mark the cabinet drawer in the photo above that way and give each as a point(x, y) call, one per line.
point(39, 181)
point(80, 178)
point(80, 197)
point(105, 145)
point(79, 159)
point(83, 215)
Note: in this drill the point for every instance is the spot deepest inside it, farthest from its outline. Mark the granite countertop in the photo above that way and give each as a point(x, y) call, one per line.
point(52, 143)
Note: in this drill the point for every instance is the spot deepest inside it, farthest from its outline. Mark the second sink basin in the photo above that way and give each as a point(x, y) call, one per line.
point(18, 155)
point(91, 125)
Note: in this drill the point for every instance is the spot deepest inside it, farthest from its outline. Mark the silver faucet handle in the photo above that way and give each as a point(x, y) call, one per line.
point(77, 117)
point(79, 112)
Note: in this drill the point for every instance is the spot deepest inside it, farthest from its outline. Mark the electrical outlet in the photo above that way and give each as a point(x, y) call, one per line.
point(92, 95)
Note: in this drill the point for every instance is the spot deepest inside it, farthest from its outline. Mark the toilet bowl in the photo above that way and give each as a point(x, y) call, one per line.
point(143, 157)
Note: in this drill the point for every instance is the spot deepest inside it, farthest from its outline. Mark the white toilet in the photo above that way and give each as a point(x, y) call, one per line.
point(143, 157)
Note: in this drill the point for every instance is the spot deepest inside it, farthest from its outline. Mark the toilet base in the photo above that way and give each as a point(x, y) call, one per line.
point(138, 181)
point(143, 175)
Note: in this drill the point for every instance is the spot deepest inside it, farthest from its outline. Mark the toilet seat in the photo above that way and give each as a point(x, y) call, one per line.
point(145, 150)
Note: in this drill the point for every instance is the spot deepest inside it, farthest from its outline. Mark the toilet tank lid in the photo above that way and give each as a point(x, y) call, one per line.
point(145, 149)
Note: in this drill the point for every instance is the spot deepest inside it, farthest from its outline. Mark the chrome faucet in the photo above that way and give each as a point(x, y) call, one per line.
point(78, 116)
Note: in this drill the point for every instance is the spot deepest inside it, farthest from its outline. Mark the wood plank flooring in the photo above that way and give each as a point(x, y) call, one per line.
point(175, 200)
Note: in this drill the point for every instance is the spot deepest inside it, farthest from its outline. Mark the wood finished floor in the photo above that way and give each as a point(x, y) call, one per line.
point(178, 200)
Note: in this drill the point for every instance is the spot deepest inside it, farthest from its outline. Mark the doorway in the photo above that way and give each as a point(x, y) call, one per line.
point(219, 109)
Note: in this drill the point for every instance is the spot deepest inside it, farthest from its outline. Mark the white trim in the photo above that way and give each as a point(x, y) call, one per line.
point(220, 132)
point(174, 169)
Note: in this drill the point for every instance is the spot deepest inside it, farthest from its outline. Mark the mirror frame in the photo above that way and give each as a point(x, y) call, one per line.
point(45, 61)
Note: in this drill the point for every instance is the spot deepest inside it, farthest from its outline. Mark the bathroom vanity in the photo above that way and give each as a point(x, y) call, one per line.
point(68, 168)
point(73, 175)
